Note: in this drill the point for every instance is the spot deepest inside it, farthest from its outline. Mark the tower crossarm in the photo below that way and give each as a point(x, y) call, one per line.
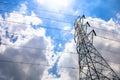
point(92, 66)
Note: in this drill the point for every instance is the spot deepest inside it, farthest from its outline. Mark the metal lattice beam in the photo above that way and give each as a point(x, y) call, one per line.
point(92, 66)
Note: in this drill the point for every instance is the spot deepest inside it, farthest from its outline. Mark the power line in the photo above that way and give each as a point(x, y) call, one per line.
point(70, 22)
point(59, 29)
point(105, 30)
point(108, 38)
point(33, 36)
point(89, 56)
point(52, 28)
point(66, 30)
point(71, 41)
point(102, 23)
point(26, 47)
point(98, 21)
point(41, 49)
point(30, 63)
point(51, 50)
point(38, 26)
point(44, 10)
point(68, 52)
point(49, 18)
point(108, 51)
point(37, 48)
point(65, 21)
point(55, 39)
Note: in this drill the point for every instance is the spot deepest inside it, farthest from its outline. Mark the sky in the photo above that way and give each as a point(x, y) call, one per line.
point(40, 34)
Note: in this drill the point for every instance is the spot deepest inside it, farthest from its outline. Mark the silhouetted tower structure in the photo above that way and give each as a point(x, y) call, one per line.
point(92, 66)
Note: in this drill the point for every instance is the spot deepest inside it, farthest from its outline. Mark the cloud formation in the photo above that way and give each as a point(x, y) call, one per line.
point(32, 46)
point(54, 5)
point(109, 48)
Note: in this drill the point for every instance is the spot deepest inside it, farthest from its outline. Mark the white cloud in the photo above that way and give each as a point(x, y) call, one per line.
point(37, 38)
point(20, 19)
point(23, 8)
point(67, 28)
point(118, 15)
point(115, 66)
point(57, 10)
point(20, 24)
point(68, 58)
point(106, 47)
point(56, 5)
point(32, 19)
point(24, 49)
point(99, 23)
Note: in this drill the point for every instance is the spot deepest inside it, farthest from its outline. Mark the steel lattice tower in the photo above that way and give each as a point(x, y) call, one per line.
point(92, 66)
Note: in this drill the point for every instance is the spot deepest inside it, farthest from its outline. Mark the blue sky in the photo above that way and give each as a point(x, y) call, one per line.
point(49, 25)
point(100, 8)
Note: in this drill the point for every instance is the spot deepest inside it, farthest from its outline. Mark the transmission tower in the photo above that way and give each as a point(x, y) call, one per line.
point(92, 66)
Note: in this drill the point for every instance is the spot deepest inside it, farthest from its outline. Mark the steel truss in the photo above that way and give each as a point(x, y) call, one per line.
point(92, 66)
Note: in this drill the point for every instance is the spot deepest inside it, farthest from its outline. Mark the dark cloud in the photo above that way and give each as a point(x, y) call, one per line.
point(16, 71)
point(10, 70)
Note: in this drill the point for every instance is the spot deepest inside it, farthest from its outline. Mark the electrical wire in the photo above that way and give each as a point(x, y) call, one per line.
point(95, 36)
point(103, 50)
point(59, 29)
point(41, 49)
point(49, 27)
point(37, 48)
point(47, 11)
point(65, 21)
point(98, 21)
point(101, 28)
point(105, 30)
point(71, 41)
point(67, 30)
point(31, 63)
point(38, 25)
point(49, 19)
point(44, 10)
point(35, 63)
point(70, 22)
point(107, 38)
point(53, 39)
